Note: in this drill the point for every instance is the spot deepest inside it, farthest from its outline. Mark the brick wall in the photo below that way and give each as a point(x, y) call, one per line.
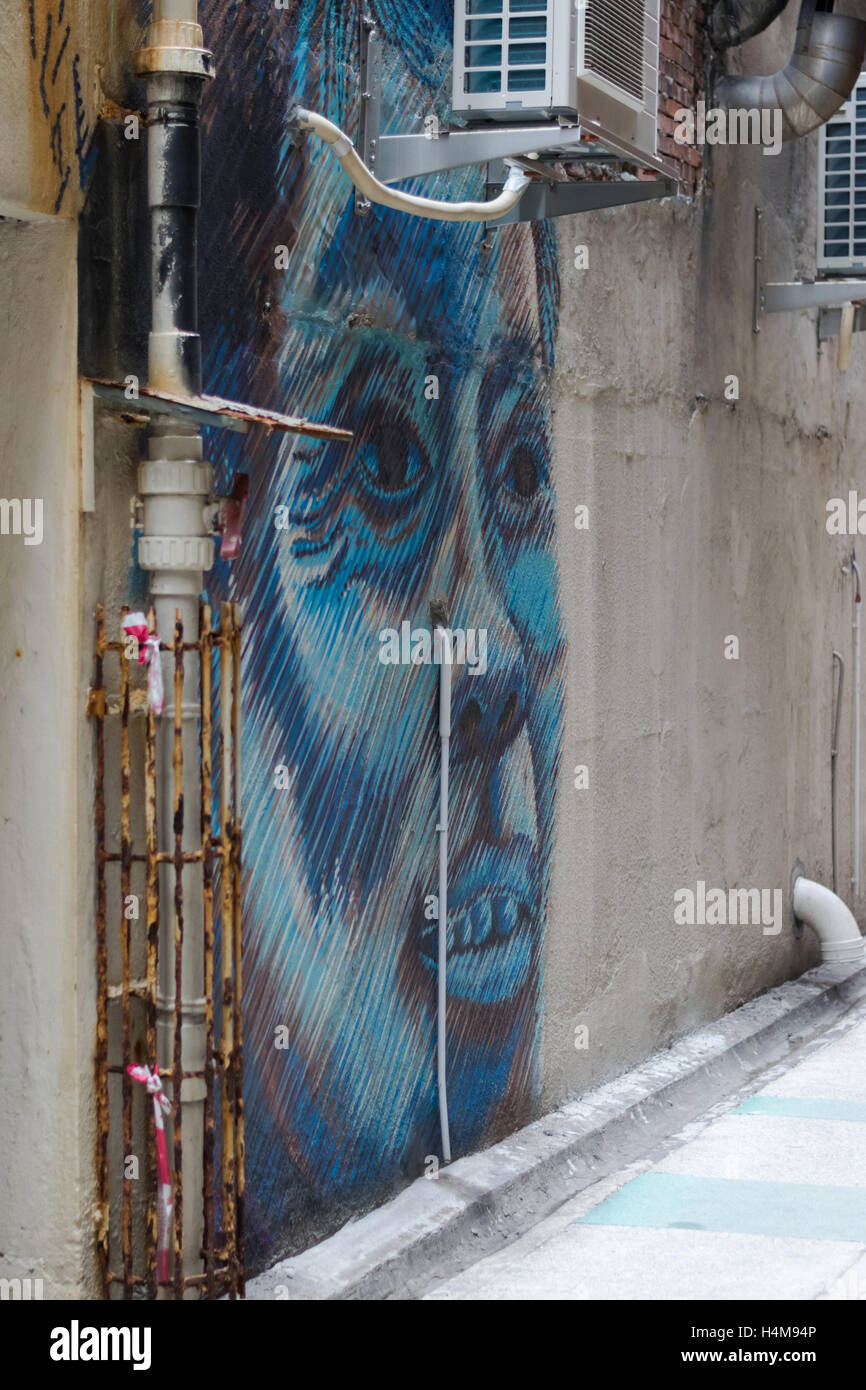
point(681, 82)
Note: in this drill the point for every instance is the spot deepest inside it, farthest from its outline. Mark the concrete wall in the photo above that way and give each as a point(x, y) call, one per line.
point(55, 62)
point(705, 521)
point(45, 1168)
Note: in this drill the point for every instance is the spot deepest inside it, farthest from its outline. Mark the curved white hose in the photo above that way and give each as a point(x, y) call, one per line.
point(368, 185)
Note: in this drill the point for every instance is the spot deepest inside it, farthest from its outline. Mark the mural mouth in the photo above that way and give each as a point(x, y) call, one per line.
point(491, 928)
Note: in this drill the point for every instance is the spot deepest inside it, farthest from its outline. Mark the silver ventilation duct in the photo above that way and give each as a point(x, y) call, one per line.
point(814, 84)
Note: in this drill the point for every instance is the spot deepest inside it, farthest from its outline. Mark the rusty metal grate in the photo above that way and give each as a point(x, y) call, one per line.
point(134, 1019)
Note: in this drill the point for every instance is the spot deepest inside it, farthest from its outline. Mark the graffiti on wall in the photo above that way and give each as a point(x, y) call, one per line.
point(62, 130)
point(434, 343)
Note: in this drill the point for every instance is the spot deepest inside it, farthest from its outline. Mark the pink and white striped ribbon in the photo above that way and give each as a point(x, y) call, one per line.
point(164, 1201)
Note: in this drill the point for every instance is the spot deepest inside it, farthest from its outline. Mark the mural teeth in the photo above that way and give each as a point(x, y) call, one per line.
point(482, 922)
point(506, 915)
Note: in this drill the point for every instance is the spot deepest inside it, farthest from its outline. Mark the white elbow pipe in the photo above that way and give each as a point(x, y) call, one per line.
point(370, 187)
point(830, 919)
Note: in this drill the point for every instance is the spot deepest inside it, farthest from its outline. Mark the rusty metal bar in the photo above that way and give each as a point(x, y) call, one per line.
point(163, 646)
point(152, 959)
point(206, 734)
point(190, 856)
point(177, 1065)
point(236, 934)
point(227, 936)
point(125, 887)
point(101, 1056)
point(222, 1249)
point(191, 1281)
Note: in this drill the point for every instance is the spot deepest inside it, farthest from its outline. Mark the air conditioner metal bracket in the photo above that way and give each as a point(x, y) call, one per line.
point(547, 199)
point(393, 158)
point(829, 297)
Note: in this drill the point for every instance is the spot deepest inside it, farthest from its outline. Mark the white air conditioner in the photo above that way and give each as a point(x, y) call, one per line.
point(585, 60)
point(842, 186)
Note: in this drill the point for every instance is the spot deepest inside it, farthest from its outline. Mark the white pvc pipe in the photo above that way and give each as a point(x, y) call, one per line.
point(830, 919)
point(176, 11)
point(442, 654)
point(370, 187)
point(858, 610)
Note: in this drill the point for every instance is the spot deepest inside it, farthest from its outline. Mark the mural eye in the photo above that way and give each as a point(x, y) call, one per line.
point(522, 474)
point(392, 457)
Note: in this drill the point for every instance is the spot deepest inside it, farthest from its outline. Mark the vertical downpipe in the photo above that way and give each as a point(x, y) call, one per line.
point(175, 547)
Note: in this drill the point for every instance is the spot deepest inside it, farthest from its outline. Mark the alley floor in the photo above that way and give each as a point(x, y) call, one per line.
point(763, 1197)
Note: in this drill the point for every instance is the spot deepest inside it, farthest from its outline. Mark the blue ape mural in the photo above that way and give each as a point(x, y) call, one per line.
point(443, 494)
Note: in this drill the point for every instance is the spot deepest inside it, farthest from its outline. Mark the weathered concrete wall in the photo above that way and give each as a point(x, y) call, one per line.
point(706, 520)
point(57, 64)
point(45, 1169)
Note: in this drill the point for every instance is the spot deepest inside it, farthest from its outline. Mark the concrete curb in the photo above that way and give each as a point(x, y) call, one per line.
point(435, 1228)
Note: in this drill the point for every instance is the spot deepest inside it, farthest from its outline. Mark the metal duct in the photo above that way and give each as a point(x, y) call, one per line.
point(734, 21)
point(819, 78)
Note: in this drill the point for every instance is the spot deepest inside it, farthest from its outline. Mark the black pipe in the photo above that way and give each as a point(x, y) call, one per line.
point(174, 187)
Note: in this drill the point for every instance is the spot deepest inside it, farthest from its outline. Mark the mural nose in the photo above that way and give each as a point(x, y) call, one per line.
point(489, 705)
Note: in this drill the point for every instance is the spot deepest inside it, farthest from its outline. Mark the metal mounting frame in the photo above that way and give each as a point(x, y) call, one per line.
point(393, 158)
point(827, 296)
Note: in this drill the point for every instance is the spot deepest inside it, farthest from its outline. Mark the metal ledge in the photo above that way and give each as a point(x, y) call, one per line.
point(209, 410)
point(820, 294)
point(397, 157)
point(544, 199)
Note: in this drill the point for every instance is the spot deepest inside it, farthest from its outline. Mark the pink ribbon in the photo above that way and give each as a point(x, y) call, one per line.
point(164, 1200)
point(148, 652)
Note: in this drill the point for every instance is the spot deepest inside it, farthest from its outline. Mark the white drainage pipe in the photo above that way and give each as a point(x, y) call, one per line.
point(830, 919)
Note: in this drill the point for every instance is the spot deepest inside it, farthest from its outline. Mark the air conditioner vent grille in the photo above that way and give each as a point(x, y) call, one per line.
point(614, 44)
point(842, 184)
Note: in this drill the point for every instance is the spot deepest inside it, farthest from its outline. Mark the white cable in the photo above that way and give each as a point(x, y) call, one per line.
point(442, 648)
point(368, 185)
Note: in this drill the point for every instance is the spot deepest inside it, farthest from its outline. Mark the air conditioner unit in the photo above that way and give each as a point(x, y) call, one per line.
point(583, 60)
point(842, 186)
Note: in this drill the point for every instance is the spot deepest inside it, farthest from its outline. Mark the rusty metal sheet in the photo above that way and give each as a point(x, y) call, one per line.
point(211, 410)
